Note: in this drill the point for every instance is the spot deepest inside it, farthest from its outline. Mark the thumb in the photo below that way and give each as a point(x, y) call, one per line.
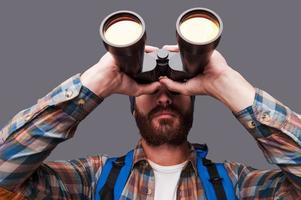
point(174, 85)
point(147, 88)
point(149, 49)
point(173, 48)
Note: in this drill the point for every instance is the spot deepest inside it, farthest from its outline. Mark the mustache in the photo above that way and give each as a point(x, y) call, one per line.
point(170, 108)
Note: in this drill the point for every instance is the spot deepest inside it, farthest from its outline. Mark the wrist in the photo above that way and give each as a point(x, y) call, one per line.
point(232, 90)
point(94, 82)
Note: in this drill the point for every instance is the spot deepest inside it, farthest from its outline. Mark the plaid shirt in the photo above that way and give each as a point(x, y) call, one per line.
point(33, 133)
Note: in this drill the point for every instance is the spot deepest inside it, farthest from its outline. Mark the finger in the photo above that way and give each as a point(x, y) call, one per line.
point(149, 48)
point(174, 48)
point(175, 86)
point(147, 88)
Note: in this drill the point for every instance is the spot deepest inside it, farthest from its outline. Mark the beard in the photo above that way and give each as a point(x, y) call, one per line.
point(172, 130)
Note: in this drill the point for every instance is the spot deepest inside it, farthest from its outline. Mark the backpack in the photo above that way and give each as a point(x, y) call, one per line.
point(213, 176)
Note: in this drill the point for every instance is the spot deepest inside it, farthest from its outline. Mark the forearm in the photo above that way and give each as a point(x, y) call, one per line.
point(97, 81)
point(276, 129)
point(232, 90)
point(274, 126)
point(34, 132)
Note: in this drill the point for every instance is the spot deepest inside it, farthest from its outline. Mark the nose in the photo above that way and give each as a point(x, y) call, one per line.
point(163, 99)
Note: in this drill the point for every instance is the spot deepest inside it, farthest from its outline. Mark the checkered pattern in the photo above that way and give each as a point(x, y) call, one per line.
point(33, 133)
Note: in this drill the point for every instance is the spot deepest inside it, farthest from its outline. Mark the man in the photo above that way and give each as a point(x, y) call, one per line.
point(164, 162)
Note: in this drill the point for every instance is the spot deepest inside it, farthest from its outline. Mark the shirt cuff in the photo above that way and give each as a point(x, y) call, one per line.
point(265, 112)
point(71, 96)
point(79, 105)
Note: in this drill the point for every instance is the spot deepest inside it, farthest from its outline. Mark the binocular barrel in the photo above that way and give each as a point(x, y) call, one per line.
point(123, 34)
point(198, 32)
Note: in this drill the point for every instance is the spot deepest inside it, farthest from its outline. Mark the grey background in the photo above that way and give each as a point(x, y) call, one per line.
point(42, 43)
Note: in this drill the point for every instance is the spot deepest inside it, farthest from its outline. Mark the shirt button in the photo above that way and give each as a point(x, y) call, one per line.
point(251, 124)
point(68, 93)
point(27, 117)
point(147, 191)
point(265, 117)
point(81, 102)
point(144, 163)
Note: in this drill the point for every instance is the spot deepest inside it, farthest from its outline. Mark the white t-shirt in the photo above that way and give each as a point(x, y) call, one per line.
point(166, 180)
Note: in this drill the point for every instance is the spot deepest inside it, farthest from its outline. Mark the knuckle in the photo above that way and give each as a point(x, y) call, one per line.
point(185, 92)
point(189, 92)
point(137, 92)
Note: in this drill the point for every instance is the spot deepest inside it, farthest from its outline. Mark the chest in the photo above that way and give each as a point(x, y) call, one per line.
point(143, 184)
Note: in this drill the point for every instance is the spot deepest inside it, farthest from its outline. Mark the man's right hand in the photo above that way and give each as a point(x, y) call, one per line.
point(105, 78)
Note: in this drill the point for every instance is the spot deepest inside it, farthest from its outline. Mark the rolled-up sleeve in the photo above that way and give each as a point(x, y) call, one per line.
point(277, 131)
point(30, 136)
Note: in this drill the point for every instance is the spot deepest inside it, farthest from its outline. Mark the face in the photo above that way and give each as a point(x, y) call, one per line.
point(164, 117)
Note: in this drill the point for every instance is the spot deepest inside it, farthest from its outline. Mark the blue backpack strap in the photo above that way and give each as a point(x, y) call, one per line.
point(227, 183)
point(106, 169)
point(123, 175)
point(113, 177)
point(214, 177)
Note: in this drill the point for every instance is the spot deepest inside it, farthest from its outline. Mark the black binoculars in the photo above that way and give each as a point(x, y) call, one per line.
point(198, 32)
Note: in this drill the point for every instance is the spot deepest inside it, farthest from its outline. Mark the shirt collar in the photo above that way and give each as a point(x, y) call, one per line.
point(139, 156)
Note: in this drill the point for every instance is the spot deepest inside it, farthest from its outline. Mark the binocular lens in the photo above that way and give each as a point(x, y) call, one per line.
point(123, 32)
point(123, 35)
point(198, 33)
point(199, 29)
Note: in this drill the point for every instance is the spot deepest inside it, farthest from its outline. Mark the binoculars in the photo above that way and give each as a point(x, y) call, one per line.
point(198, 32)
